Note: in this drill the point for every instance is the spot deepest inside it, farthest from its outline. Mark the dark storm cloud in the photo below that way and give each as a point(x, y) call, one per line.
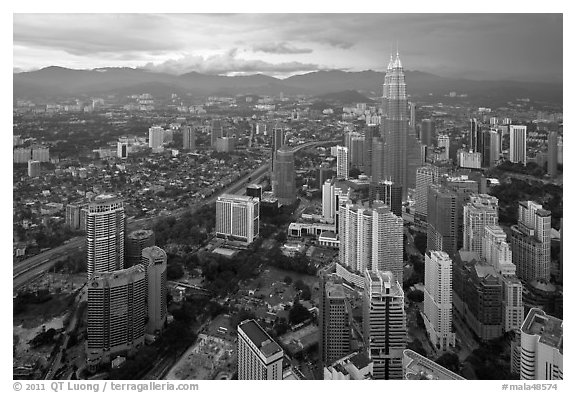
point(227, 63)
point(279, 48)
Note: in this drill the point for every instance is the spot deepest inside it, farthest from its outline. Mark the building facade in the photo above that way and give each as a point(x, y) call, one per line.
point(237, 218)
point(259, 356)
point(334, 321)
point(154, 260)
point(517, 144)
point(284, 180)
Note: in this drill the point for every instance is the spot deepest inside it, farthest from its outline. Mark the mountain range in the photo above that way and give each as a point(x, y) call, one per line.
point(53, 82)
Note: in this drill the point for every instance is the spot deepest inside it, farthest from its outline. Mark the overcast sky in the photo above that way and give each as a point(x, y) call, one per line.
point(476, 46)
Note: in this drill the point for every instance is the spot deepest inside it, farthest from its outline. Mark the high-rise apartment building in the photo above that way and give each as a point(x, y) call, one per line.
point(155, 137)
point(105, 228)
point(189, 137)
point(40, 153)
point(342, 162)
point(394, 126)
point(334, 321)
point(387, 241)
point(518, 144)
point(237, 217)
point(388, 192)
point(34, 168)
point(542, 347)
point(438, 299)
point(384, 324)
point(284, 181)
point(531, 242)
point(278, 139)
point(216, 131)
point(22, 155)
point(474, 136)
point(116, 314)
point(444, 143)
point(136, 241)
point(154, 260)
point(122, 148)
point(482, 210)
point(442, 219)
point(259, 356)
point(553, 154)
point(76, 215)
point(334, 194)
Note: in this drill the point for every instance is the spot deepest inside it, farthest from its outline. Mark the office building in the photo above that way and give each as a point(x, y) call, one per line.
point(334, 194)
point(254, 191)
point(284, 181)
point(512, 303)
point(155, 137)
point(259, 356)
point(474, 136)
point(22, 155)
point(428, 132)
point(518, 144)
point(116, 314)
point(389, 193)
point(278, 141)
point(122, 148)
point(34, 168)
point(225, 144)
point(531, 242)
point(369, 133)
point(553, 154)
point(442, 218)
point(237, 218)
point(425, 176)
point(377, 167)
point(394, 126)
point(105, 229)
point(444, 144)
point(542, 347)
point(154, 260)
point(324, 173)
point(216, 131)
point(334, 321)
point(136, 241)
point(356, 366)
point(496, 250)
point(189, 138)
point(40, 153)
point(354, 142)
point(477, 295)
point(387, 241)
point(490, 148)
point(342, 162)
point(76, 215)
point(438, 299)
point(384, 324)
point(469, 159)
point(418, 367)
point(482, 210)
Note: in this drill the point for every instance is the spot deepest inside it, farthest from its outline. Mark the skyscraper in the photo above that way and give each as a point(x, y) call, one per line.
point(136, 241)
point(425, 176)
point(482, 210)
point(387, 241)
point(277, 142)
point(284, 181)
point(377, 167)
point(518, 144)
point(116, 314)
point(105, 228)
point(438, 299)
point(34, 168)
point(428, 132)
point(389, 193)
point(369, 135)
point(531, 242)
point(217, 131)
point(154, 261)
point(155, 137)
point(384, 323)
point(473, 136)
point(354, 142)
point(342, 162)
point(444, 142)
point(355, 232)
point(418, 367)
point(189, 138)
point(442, 219)
point(542, 343)
point(259, 356)
point(553, 154)
point(122, 148)
point(237, 217)
point(394, 126)
point(334, 320)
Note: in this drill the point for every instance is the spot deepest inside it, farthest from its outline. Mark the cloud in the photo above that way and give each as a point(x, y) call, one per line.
point(279, 48)
point(227, 63)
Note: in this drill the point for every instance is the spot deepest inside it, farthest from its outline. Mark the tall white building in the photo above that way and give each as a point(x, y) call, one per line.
point(116, 314)
point(482, 210)
point(122, 148)
point(542, 354)
point(387, 241)
point(438, 299)
point(342, 162)
point(259, 356)
point(384, 324)
point(238, 217)
point(34, 168)
point(518, 144)
point(154, 260)
point(334, 195)
point(425, 176)
point(155, 137)
point(105, 231)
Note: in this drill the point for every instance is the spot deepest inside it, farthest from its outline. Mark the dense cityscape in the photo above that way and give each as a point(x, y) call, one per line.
point(401, 232)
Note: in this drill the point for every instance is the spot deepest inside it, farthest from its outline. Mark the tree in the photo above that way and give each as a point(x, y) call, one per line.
point(420, 241)
point(288, 280)
point(416, 295)
point(298, 313)
point(242, 315)
point(174, 271)
point(450, 361)
point(354, 173)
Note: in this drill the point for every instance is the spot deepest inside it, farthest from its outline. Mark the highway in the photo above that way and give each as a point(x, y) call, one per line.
point(32, 267)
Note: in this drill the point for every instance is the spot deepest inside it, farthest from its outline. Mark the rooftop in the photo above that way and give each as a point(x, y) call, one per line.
point(419, 367)
point(259, 337)
point(549, 328)
point(140, 234)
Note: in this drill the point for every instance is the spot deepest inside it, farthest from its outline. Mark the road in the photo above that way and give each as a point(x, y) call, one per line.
point(27, 269)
